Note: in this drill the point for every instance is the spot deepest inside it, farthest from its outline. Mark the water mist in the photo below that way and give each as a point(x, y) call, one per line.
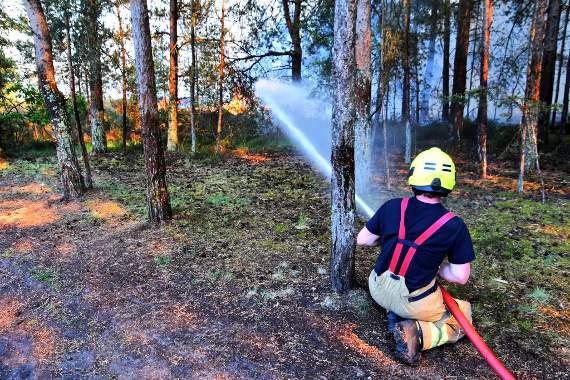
point(306, 120)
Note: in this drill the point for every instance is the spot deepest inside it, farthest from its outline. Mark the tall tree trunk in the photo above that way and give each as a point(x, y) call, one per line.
point(71, 177)
point(430, 65)
point(564, 122)
point(529, 144)
point(473, 59)
point(78, 126)
point(157, 199)
point(548, 67)
point(445, 70)
point(96, 110)
point(293, 27)
point(221, 85)
point(381, 96)
point(560, 64)
point(405, 4)
point(363, 56)
point(483, 89)
point(460, 68)
point(172, 141)
point(342, 153)
point(194, 74)
point(123, 77)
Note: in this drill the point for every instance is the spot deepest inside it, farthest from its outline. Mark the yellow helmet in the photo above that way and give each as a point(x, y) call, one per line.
point(432, 171)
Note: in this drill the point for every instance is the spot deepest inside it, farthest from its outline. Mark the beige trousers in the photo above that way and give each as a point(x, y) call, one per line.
point(437, 324)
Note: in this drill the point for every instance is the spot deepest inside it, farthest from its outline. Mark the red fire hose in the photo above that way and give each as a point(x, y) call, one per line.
point(475, 338)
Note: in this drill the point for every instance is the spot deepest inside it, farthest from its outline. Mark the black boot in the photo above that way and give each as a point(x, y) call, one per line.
point(407, 338)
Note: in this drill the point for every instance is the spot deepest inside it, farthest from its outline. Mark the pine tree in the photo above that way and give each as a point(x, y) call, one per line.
point(342, 155)
point(71, 177)
point(158, 203)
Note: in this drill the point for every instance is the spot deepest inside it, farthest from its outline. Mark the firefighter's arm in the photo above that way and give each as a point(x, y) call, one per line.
point(367, 238)
point(456, 273)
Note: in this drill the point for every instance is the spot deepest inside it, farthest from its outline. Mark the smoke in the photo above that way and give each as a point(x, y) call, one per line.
point(306, 121)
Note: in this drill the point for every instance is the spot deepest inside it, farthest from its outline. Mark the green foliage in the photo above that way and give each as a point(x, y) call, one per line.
point(162, 261)
point(44, 274)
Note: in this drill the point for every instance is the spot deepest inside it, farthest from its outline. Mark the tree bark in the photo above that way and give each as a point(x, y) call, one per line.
point(293, 27)
point(483, 89)
point(460, 68)
point(405, 4)
point(430, 64)
point(363, 77)
point(530, 110)
point(123, 77)
point(221, 84)
point(342, 153)
point(78, 126)
point(158, 203)
point(194, 74)
point(560, 64)
point(474, 52)
point(172, 141)
point(381, 96)
point(71, 177)
point(445, 69)
point(548, 67)
point(96, 109)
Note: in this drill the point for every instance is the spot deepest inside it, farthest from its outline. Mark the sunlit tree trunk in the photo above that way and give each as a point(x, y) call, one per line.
point(560, 64)
point(96, 109)
point(71, 177)
point(194, 74)
point(548, 67)
point(221, 84)
point(123, 76)
point(483, 89)
point(406, 9)
point(363, 56)
point(172, 141)
point(158, 203)
point(460, 68)
point(78, 126)
point(529, 145)
point(445, 70)
point(342, 154)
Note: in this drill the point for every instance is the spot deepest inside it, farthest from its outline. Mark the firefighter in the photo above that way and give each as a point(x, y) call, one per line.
point(420, 241)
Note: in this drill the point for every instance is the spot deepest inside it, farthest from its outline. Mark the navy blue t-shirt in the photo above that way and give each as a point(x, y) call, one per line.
point(452, 240)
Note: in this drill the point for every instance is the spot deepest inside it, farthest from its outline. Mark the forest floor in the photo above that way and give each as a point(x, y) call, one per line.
point(236, 286)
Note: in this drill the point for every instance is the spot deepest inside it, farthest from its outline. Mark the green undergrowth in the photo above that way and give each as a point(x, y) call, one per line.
point(520, 278)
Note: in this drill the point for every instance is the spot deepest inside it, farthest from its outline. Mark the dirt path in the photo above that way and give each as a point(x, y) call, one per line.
point(235, 287)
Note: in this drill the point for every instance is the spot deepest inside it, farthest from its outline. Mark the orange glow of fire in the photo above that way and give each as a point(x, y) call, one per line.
point(4, 164)
point(26, 213)
point(245, 155)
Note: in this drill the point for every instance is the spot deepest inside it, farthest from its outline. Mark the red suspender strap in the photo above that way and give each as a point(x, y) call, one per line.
point(401, 236)
point(421, 239)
